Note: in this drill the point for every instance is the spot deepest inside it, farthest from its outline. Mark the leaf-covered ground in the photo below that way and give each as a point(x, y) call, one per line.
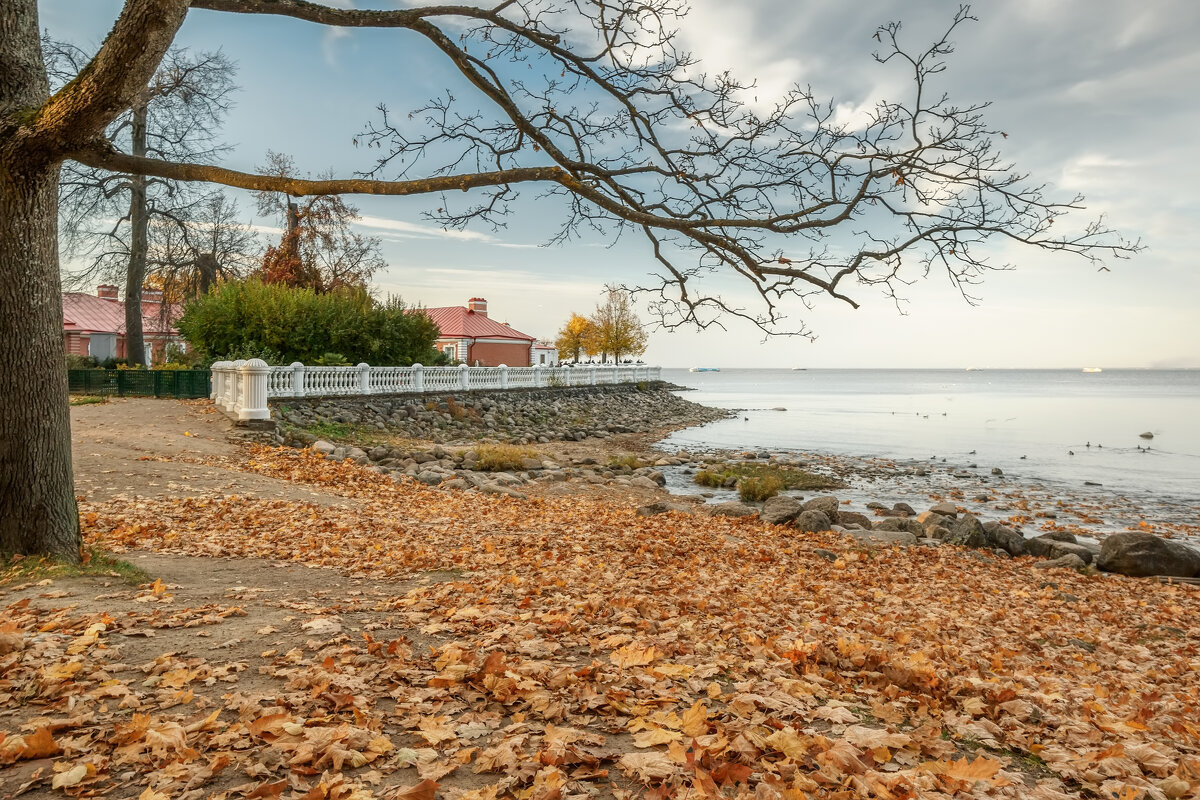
point(459, 645)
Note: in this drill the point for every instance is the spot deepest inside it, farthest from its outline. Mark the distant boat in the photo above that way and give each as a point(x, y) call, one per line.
point(1092, 369)
point(705, 369)
point(799, 369)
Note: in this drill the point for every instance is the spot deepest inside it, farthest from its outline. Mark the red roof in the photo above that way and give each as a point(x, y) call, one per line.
point(88, 313)
point(456, 322)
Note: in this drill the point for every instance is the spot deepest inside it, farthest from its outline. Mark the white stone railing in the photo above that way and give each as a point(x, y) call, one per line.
point(242, 388)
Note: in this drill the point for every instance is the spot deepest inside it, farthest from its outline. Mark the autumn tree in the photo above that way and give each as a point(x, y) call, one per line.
point(592, 103)
point(318, 250)
point(112, 221)
point(571, 341)
point(614, 328)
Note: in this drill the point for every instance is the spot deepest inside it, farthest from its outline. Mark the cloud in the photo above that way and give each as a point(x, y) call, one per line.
point(399, 229)
point(329, 44)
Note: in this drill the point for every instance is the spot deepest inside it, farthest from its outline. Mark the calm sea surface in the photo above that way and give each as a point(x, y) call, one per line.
point(1002, 415)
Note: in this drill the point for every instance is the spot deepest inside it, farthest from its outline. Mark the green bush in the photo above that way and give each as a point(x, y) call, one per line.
point(81, 362)
point(301, 325)
point(755, 490)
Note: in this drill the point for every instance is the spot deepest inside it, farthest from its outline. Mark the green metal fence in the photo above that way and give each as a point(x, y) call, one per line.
point(181, 383)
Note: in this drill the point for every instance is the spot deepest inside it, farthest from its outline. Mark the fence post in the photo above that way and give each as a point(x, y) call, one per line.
point(591, 374)
point(364, 378)
point(218, 381)
point(418, 377)
point(504, 376)
point(464, 377)
point(537, 376)
point(253, 403)
point(236, 391)
point(297, 379)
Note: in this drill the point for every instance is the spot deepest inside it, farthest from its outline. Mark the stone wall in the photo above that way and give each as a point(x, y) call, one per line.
point(521, 416)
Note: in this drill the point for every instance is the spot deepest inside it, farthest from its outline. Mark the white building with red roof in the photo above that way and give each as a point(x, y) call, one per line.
point(469, 335)
point(94, 324)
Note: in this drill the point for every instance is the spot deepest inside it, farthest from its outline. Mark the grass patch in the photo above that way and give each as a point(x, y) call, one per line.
point(627, 460)
point(87, 399)
point(502, 457)
point(339, 431)
point(764, 476)
point(96, 563)
point(755, 490)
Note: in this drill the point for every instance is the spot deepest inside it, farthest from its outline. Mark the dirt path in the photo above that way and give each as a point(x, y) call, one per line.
point(167, 448)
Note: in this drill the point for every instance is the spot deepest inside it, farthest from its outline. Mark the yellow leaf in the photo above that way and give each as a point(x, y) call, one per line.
point(633, 656)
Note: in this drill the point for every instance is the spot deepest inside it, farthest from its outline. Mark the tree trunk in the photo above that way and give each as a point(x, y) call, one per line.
point(37, 488)
point(139, 224)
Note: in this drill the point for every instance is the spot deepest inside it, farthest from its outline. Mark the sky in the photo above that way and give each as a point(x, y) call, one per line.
point(1098, 97)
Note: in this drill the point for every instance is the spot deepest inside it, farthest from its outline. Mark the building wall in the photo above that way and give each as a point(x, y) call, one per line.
point(491, 354)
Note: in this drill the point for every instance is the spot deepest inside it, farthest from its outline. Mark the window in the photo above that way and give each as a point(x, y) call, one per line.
point(543, 357)
point(450, 349)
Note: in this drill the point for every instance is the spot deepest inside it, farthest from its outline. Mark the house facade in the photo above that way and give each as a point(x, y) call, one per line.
point(544, 354)
point(467, 334)
point(94, 324)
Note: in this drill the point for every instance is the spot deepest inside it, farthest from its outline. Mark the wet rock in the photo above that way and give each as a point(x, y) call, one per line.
point(904, 509)
point(946, 509)
point(1143, 554)
point(1146, 435)
point(780, 509)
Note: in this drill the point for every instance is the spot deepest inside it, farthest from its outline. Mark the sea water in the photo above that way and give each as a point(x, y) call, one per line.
point(1055, 427)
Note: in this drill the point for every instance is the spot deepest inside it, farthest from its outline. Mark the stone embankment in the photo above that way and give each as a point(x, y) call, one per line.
point(514, 416)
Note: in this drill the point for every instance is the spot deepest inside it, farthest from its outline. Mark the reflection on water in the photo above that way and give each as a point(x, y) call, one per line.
point(1058, 426)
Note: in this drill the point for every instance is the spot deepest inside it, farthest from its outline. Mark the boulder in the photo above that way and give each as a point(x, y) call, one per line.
point(1040, 545)
point(1085, 552)
point(323, 447)
point(1069, 561)
point(430, 478)
point(780, 509)
point(902, 524)
point(813, 521)
point(903, 510)
point(1143, 554)
point(946, 509)
point(827, 504)
point(731, 509)
point(883, 537)
point(967, 532)
point(1005, 538)
point(531, 463)
point(642, 482)
point(849, 518)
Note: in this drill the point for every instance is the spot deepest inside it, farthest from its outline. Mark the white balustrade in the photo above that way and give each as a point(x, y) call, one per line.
point(242, 388)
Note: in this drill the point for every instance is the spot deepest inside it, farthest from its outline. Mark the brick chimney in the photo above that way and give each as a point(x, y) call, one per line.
point(151, 295)
point(477, 305)
point(106, 291)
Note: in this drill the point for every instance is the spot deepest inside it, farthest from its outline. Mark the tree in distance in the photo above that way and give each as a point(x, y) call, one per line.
point(590, 102)
point(572, 339)
point(614, 328)
point(176, 116)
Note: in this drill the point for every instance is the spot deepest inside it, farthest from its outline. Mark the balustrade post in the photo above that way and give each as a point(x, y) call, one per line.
point(591, 374)
point(235, 393)
point(253, 404)
point(418, 376)
point(218, 381)
point(537, 376)
point(364, 378)
point(297, 379)
point(504, 376)
point(464, 377)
